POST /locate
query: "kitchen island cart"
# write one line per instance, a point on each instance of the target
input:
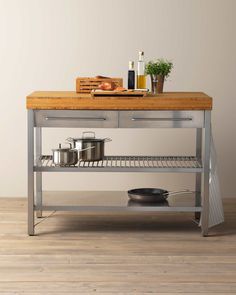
(60, 109)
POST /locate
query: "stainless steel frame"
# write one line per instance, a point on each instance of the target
(39, 173)
(198, 178)
(121, 119)
(206, 174)
(31, 172)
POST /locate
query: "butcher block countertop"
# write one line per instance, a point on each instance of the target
(70, 100)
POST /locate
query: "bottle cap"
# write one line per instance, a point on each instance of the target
(131, 65)
(140, 55)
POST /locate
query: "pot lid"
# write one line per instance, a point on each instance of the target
(87, 136)
(88, 139)
(60, 149)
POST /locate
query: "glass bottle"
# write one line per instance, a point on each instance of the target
(141, 77)
(131, 76)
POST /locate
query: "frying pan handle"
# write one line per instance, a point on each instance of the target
(186, 191)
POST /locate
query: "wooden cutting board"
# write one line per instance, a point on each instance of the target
(127, 93)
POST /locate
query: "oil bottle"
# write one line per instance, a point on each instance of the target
(141, 77)
(131, 76)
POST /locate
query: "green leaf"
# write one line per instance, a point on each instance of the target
(160, 67)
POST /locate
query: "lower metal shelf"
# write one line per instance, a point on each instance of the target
(112, 201)
(120, 209)
(183, 164)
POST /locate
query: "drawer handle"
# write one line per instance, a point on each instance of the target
(162, 119)
(75, 118)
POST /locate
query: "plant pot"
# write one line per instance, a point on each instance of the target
(160, 83)
(154, 84)
(157, 83)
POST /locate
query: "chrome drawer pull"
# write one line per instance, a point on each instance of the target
(162, 119)
(75, 118)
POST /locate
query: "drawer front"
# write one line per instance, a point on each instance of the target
(73, 119)
(161, 119)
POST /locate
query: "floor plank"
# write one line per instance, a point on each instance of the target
(115, 254)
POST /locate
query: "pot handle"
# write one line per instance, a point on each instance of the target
(107, 139)
(85, 149)
(88, 132)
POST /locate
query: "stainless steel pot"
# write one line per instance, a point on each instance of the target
(64, 156)
(95, 147)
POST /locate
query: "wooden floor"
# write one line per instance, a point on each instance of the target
(121, 254)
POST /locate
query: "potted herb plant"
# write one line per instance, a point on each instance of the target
(158, 70)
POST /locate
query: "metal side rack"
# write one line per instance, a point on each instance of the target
(198, 163)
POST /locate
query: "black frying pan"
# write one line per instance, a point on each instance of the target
(151, 195)
(148, 204)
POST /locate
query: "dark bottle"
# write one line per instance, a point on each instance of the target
(131, 76)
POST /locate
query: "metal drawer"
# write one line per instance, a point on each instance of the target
(70, 118)
(161, 119)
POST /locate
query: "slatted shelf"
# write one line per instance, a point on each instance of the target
(126, 164)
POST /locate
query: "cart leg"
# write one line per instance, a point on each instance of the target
(198, 178)
(30, 173)
(205, 199)
(39, 174)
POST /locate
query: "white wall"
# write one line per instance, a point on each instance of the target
(45, 44)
